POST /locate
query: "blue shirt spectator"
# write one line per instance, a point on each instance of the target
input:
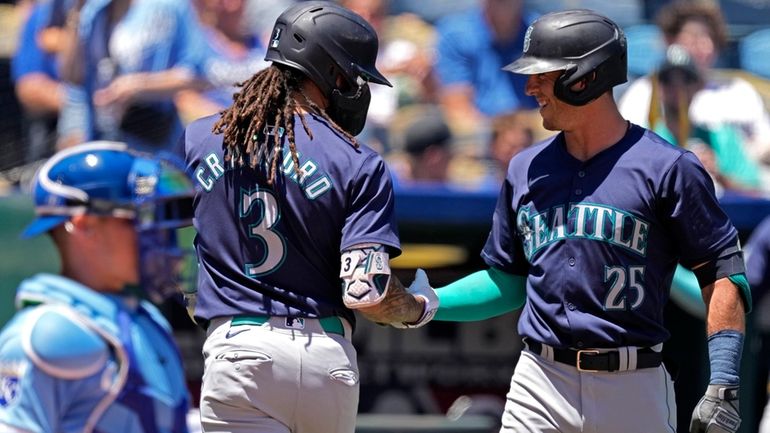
(472, 50)
(224, 68)
(35, 74)
(233, 52)
(29, 57)
(132, 68)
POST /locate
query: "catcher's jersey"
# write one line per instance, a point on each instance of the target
(599, 240)
(275, 249)
(74, 360)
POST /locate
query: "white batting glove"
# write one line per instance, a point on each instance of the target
(421, 288)
(717, 411)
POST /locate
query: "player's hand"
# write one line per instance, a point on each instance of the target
(717, 411)
(421, 289)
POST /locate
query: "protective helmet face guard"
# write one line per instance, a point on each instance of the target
(324, 40)
(583, 44)
(349, 109)
(108, 179)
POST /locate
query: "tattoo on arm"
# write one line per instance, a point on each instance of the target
(398, 306)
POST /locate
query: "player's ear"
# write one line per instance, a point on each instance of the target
(83, 224)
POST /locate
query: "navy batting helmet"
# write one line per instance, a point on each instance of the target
(583, 44)
(107, 178)
(321, 38)
(325, 40)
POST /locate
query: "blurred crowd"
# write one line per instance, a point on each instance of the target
(138, 70)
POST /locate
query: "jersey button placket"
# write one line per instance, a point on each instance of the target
(578, 184)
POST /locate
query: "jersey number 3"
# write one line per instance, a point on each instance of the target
(272, 241)
(624, 281)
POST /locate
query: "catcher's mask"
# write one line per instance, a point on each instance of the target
(326, 41)
(583, 44)
(107, 178)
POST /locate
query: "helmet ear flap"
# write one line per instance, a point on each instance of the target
(594, 85)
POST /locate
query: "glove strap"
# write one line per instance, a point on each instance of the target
(728, 394)
(428, 311)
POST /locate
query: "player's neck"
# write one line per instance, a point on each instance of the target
(590, 137)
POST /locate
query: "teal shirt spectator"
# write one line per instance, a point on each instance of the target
(731, 158)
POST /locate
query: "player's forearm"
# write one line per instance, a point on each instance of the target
(40, 94)
(162, 84)
(725, 309)
(398, 306)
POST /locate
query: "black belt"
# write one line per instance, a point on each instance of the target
(593, 360)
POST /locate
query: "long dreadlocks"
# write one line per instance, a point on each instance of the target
(269, 97)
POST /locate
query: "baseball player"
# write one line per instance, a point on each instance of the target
(295, 228)
(591, 224)
(86, 352)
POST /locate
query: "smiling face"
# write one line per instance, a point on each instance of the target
(557, 115)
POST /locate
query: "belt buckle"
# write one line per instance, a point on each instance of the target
(580, 354)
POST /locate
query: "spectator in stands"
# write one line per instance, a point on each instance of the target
(510, 133)
(427, 142)
(719, 147)
(36, 76)
(126, 60)
(472, 48)
(701, 29)
(234, 51)
(405, 57)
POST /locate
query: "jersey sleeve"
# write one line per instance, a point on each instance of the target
(503, 249)
(700, 227)
(371, 208)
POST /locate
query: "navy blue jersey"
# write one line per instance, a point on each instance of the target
(275, 249)
(758, 260)
(599, 240)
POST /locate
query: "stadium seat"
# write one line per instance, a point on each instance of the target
(646, 48)
(753, 51)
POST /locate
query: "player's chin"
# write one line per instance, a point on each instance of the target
(549, 124)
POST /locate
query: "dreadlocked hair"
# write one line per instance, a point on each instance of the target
(267, 98)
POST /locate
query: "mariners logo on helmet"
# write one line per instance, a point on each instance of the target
(276, 37)
(527, 38)
(584, 45)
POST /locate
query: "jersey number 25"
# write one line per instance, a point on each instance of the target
(623, 281)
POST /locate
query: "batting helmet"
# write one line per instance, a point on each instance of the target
(107, 178)
(321, 38)
(324, 40)
(581, 43)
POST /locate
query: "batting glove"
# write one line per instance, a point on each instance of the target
(421, 288)
(717, 411)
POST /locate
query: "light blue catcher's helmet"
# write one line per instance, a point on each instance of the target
(107, 178)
